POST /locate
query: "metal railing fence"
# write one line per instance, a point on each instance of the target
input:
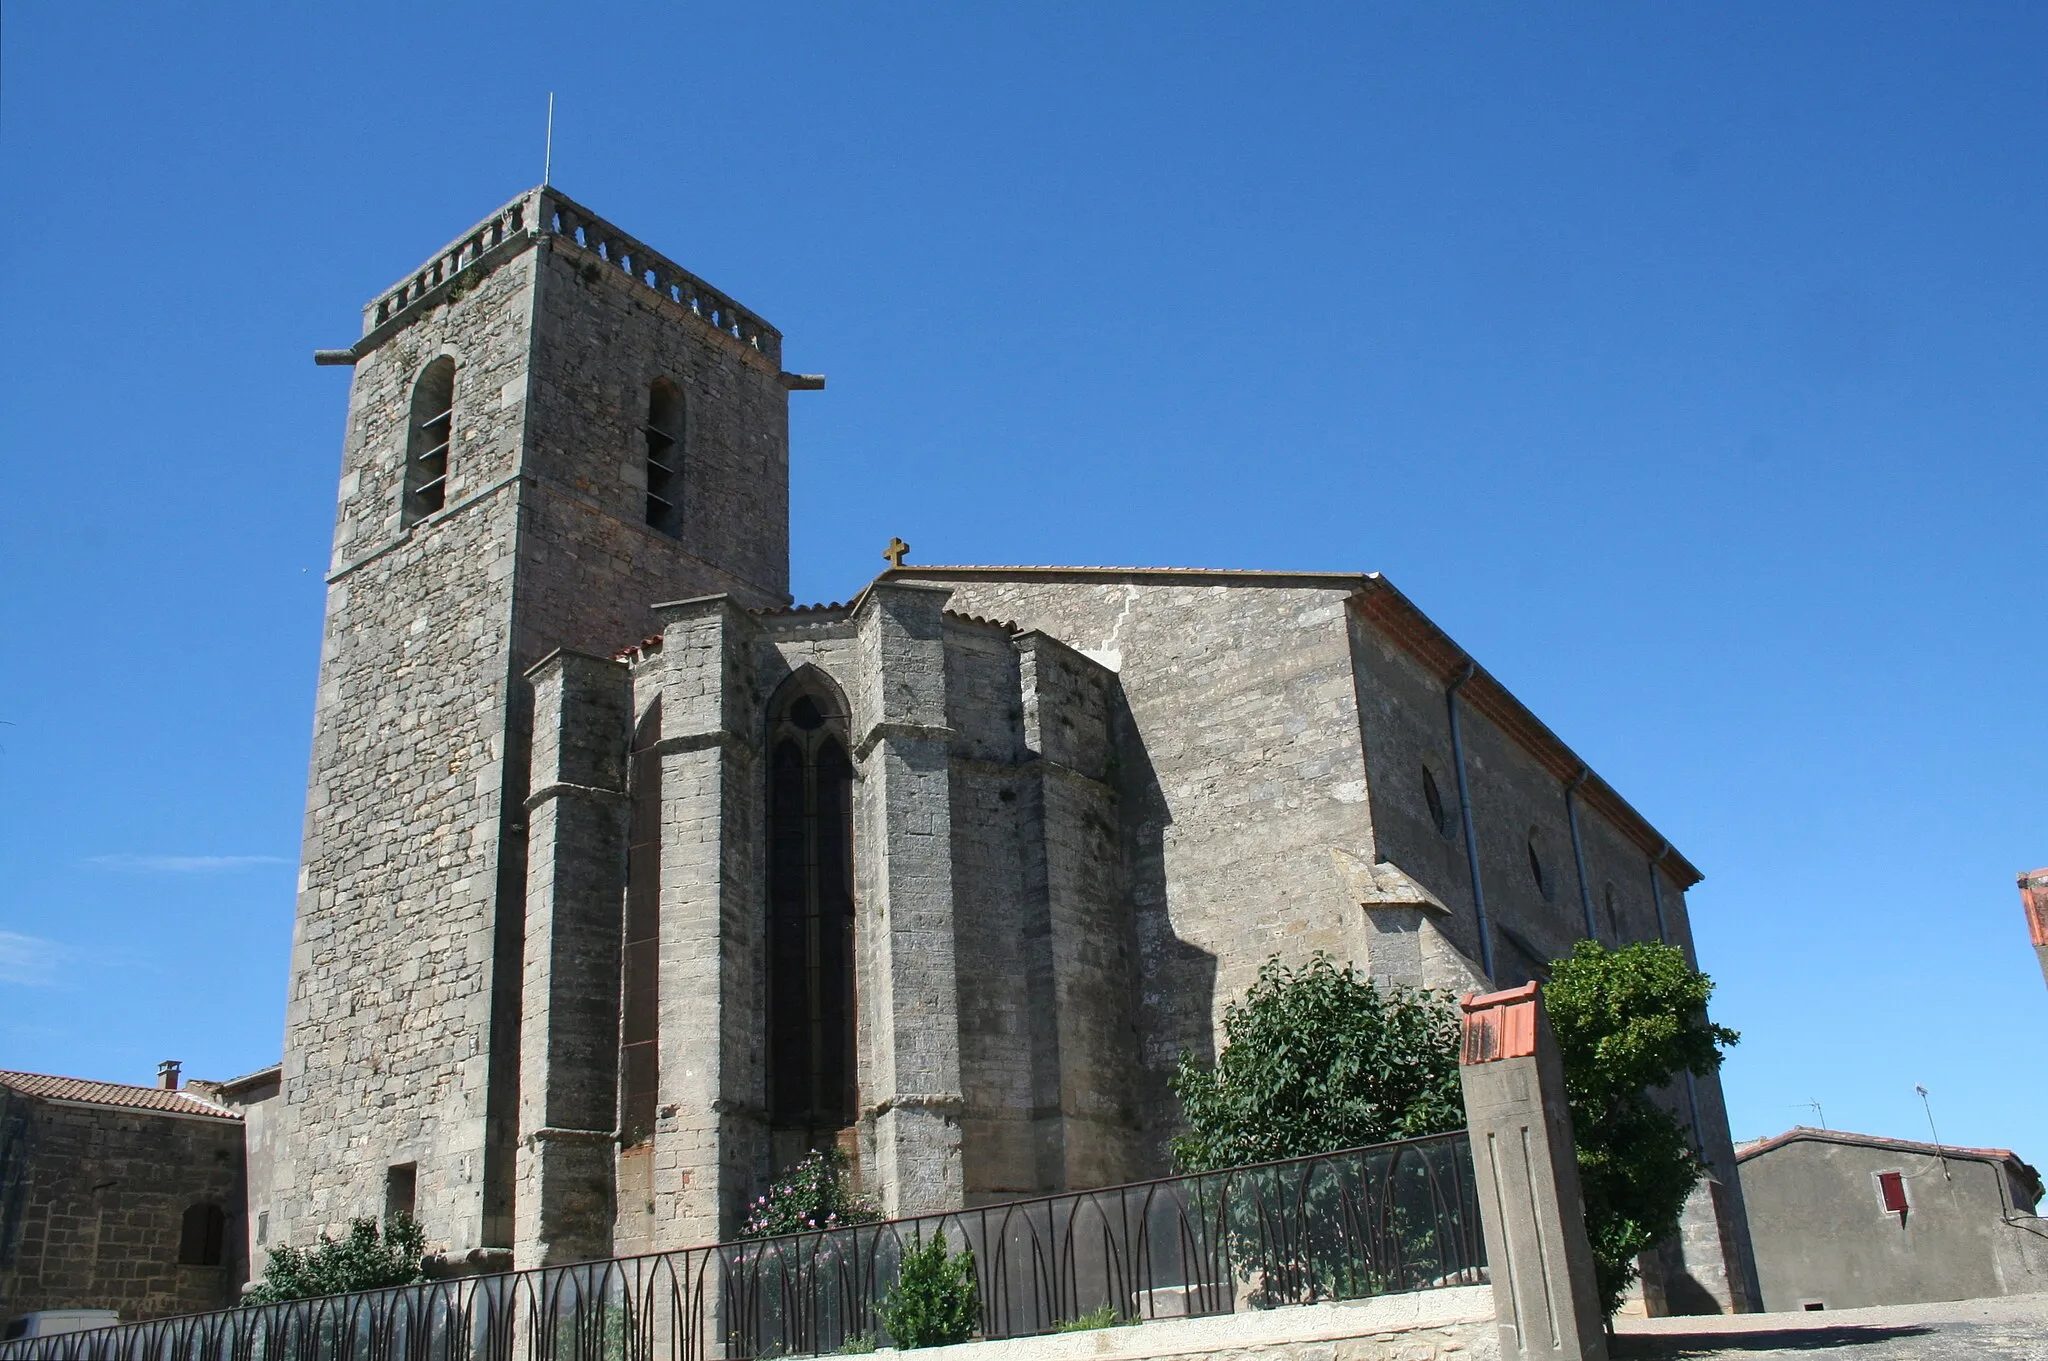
(1366, 1221)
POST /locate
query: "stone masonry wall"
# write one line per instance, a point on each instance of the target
(1084, 1010)
(1255, 712)
(393, 952)
(402, 1022)
(994, 926)
(905, 944)
(107, 1194)
(601, 340)
(1240, 768)
(1039, 930)
(1517, 802)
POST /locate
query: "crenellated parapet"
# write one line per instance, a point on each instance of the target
(546, 211)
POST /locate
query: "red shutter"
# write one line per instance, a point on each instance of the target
(1891, 1188)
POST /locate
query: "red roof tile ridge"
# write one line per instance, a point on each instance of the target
(1843, 1136)
(129, 1096)
(634, 652)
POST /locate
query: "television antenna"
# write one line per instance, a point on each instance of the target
(1938, 1152)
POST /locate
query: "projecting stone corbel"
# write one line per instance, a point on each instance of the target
(1403, 940)
(1383, 884)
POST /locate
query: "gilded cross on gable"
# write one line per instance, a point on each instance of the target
(893, 554)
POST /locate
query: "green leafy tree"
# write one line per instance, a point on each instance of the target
(363, 1260)
(815, 1192)
(1629, 1021)
(935, 1301)
(1318, 1058)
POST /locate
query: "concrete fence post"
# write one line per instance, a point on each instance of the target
(1528, 1180)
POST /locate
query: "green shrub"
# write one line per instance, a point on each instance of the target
(857, 1344)
(1104, 1317)
(1319, 1058)
(935, 1301)
(364, 1260)
(1628, 1021)
(815, 1192)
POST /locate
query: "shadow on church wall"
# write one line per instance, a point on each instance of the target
(1174, 981)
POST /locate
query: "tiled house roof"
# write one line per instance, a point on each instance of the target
(91, 1093)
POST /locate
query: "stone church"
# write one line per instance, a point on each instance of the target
(626, 879)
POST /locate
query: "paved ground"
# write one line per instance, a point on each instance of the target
(2014, 1328)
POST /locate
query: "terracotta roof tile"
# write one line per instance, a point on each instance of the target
(120, 1094)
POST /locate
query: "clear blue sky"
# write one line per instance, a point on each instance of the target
(1685, 362)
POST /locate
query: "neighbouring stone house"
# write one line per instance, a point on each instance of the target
(118, 1197)
(1842, 1220)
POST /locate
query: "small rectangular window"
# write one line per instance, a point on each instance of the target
(401, 1188)
(1891, 1192)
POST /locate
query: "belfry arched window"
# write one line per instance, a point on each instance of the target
(811, 1064)
(664, 432)
(429, 432)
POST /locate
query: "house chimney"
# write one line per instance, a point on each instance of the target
(167, 1075)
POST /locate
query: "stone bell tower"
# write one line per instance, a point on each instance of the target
(550, 429)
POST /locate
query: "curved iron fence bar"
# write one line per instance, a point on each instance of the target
(1391, 1217)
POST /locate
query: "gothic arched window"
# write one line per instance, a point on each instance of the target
(429, 431)
(664, 433)
(811, 1064)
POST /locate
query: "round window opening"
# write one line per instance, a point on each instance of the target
(805, 714)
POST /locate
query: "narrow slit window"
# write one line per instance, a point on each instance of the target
(1539, 871)
(664, 433)
(1433, 799)
(428, 440)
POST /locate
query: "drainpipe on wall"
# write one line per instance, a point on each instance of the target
(1692, 1091)
(1465, 815)
(1571, 815)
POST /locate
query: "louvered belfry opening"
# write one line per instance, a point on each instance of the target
(811, 1063)
(431, 431)
(664, 434)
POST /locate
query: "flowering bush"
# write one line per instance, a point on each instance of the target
(812, 1193)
